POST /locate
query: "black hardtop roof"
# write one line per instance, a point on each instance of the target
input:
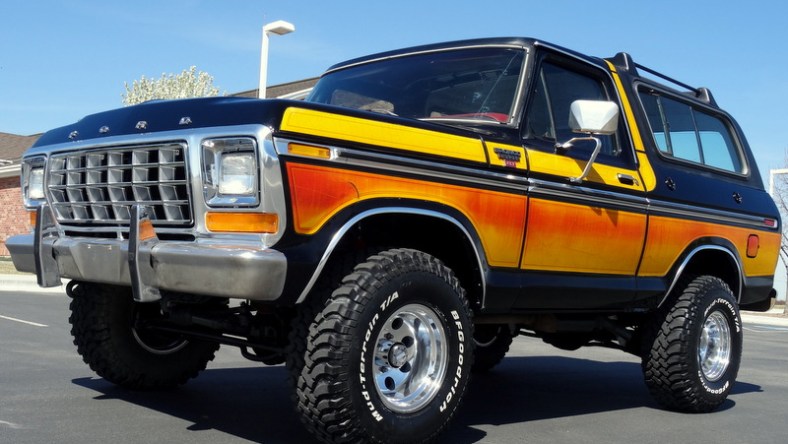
(494, 41)
(622, 61)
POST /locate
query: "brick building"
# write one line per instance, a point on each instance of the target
(14, 218)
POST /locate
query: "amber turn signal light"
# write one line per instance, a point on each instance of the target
(309, 150)
(753, 244)
(146, 230)
(242, 222)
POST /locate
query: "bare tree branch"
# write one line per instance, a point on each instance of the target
(780, 197)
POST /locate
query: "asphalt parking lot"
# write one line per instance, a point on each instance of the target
(537, 395)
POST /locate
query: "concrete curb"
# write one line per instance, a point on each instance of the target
(26, 283)
(771, 317)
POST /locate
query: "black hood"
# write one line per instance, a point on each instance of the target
(168, 115)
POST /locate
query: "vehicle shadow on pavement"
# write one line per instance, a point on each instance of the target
(254, 403)
(523, 389)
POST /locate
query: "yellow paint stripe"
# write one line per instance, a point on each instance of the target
(633, 128)
(565, 166)
(382, 134)
(646, 172)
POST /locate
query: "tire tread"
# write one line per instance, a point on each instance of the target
(666, 368)
(322, 395)
(96, 316)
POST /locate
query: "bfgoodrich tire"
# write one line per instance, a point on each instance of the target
(491, 341)
(102, 324)
(388, 359)
(693, 347)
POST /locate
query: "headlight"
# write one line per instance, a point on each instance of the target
(238, 174)
(35, 189)
(230, 172)
(33, 181)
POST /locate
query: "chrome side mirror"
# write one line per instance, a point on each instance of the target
(592, 118)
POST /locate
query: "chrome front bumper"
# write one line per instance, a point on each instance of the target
(147, 264)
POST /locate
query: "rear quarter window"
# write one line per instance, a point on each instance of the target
(690, 133)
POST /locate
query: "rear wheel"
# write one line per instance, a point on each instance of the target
(389, 357)
(103, 323)
(693, 347)
(491, 345)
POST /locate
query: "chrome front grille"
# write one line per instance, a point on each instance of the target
(99, 186)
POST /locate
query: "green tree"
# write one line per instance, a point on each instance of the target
(189, 83)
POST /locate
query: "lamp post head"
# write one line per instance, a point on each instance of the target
(279, 27)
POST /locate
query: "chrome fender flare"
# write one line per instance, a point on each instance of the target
(680, 270)
(340, 233)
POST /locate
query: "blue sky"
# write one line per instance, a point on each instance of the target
(61, 60)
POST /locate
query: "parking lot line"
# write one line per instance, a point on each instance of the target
(765, 328)
(34, 324)
(10, 425)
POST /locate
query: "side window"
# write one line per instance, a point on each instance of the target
(688, 133)
(547, 116)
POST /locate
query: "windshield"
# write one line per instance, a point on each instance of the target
(464, 84)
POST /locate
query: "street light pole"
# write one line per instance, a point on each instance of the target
(279, 27)
(772, 174)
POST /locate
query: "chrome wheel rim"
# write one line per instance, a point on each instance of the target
(158, 344)
(410, 358)
(152, 341)
(714, 348)
(485, 335)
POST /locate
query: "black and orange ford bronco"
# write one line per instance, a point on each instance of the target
(391, 234)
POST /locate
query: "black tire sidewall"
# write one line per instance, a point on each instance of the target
(102, 319)
(717, 300)
(135, 356)
(488, 336)
(431, 291)
(491, 343)
(671, 363)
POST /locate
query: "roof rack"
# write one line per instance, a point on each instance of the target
(624, 61)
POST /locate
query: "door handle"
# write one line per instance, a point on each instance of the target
(626, 179)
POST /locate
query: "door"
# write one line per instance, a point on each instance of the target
(587, 235)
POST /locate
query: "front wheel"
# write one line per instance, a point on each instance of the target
(103, 324)
(389, 358)
(693, 348)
